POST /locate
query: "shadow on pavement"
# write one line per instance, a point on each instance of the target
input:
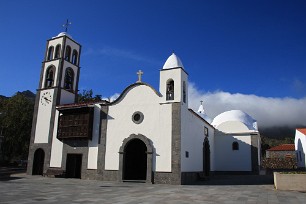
(11, 173)
(237, 180)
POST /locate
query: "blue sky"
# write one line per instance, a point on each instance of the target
(239, 54)
(246, 47)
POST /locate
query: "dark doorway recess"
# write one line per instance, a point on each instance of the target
(135, 160)
(38, 163)
(206, 157)
(73, 165)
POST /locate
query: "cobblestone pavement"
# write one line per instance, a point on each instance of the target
(23, 188)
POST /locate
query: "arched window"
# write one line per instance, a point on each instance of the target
(184, 92)
(75, 57)
(235, 146)
(170, 90)
(49, 77)
(68, 53)
(57, 51)
(69, 76)
(50, 53)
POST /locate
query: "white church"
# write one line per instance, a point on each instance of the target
(145, 135)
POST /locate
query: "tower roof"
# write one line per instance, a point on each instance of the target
(173, 62)
(62, 34)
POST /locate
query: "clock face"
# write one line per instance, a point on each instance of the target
(46, 98)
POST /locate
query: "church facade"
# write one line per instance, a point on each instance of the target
(144, 135)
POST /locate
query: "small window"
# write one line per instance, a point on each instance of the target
(186, 154)
(184, 92)
(69, 77)
(170, 90)
(74, 57)
(137, 117)
(49, 77)
(206, 131)
(235, 146)
(68, 53)
(50, 53)
(57, 52)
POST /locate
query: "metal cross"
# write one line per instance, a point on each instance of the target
(139, 73)
(66, 25)
(201, 102)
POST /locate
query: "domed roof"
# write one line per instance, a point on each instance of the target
(173, 62)
(62, 34)
(235, 115)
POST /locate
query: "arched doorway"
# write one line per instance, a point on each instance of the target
(135, 160)
(206, 157)
(38, 163)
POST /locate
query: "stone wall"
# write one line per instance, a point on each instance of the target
(295, 182)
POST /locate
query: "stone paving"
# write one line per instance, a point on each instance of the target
(23, 188)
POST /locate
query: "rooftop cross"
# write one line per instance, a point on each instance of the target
(66, 25)
(201, 102)
(139, 73)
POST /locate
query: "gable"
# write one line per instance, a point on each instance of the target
(137, 93)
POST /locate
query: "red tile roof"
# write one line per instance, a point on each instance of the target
(283, 147)
(302, 130)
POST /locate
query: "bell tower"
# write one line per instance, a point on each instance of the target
(174, 81)
(58, 82)
(58, 85)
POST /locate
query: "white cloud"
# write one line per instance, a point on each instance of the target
(112, 98)
(267, 111)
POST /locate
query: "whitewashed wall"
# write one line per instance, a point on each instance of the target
(227, 159)
(156, 126)
(300, 148)
(67, 97)
(178, 76)
(43, 120)
(93, 143)
(192, 130)
(57, 146)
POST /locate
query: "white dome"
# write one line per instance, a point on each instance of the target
(62, 34)
(173, 62)
(235, 115)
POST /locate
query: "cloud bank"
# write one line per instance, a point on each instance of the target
(268, 112)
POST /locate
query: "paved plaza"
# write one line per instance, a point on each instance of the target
(21, 188)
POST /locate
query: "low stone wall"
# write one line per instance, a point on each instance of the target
(294, 182)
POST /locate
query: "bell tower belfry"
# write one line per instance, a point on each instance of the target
(174, 81)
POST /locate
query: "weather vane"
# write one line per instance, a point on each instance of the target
(66, 25)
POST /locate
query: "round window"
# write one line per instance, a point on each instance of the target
(137, 117)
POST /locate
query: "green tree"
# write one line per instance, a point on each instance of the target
(16, 121)
(87, 96)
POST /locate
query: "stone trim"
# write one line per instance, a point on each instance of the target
(141, 117)
(254, 154)
(102, 173)
(33, 147)
(77, 147)
(174, 177)
(149, 152)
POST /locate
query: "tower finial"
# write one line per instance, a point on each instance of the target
(66, 25)
(201, 108)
